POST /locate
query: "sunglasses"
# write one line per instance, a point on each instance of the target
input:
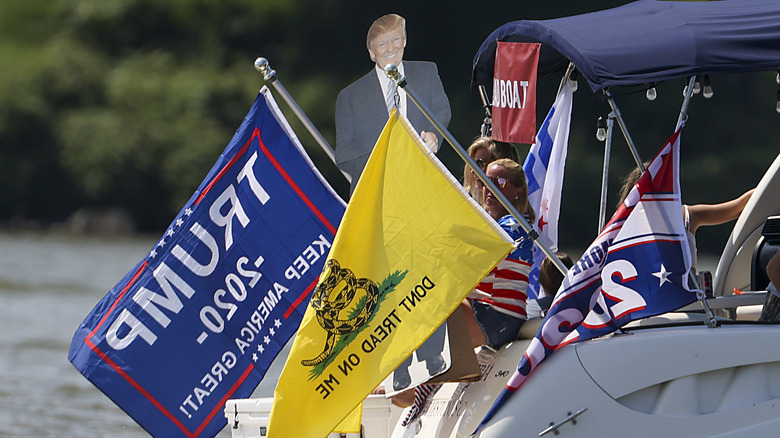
(499, 181)
(481, 163)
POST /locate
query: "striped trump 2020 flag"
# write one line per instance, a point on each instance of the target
(637, 267)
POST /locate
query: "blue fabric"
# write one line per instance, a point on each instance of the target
(498, 328)
(525, 246)
(648, 41)
(201, 318)
(637, 267)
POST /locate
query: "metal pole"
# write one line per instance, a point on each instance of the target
(703, 299)
(400, 80)
(269, 75)
(605, 171)
(623, 128)
(487, 123)
(680, 121)
(686, 101)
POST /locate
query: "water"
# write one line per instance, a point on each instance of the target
(48, 284)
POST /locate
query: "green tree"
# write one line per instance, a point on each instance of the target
(129, 102)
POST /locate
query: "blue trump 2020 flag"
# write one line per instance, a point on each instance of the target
(637, 267)
(200, 319)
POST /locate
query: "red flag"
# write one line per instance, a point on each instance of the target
(514, 92)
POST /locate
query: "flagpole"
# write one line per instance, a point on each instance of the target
(400, 80)
(269, 75)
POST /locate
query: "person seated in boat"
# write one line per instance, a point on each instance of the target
(485, 150)
(771, 310)
(495, 309)
(696, 215)
(550, 279)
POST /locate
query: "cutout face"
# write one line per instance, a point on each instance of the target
(388, 47)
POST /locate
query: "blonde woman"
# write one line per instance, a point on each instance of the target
(496, 308)
(484, 150)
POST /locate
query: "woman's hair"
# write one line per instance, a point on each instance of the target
(469, 179)
(500, 149)
(629, 182)
(517, 177)
(497, 149)
(550, 278)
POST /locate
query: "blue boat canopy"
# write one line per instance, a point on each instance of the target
(648, 41)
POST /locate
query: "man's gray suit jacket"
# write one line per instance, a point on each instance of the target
(361, 113)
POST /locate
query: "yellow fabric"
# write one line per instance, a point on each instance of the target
(412, 231)
(351, 424)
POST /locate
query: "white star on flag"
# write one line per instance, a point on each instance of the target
(514, 225)
(662, 275)
(271, 331)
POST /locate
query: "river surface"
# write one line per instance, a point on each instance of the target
(48, 285)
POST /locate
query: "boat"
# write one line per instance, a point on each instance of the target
(675, 374)
(682, 373)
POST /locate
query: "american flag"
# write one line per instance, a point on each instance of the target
(544, 168)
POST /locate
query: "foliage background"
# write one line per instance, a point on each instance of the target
(127, 103)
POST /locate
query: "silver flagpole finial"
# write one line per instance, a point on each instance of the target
(261, 65)
(392, 71)
(269, 75)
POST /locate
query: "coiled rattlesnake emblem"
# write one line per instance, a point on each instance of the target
(328, 307)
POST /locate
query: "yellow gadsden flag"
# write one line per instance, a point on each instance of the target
(411, 246)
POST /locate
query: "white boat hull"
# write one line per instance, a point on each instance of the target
(673, 381)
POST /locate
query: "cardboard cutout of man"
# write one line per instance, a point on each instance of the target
(362, 108)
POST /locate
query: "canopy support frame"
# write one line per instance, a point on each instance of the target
(623, 128)
(711, 322)
(605, 170)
